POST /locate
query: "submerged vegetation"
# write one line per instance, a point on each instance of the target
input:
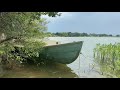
(108, 57)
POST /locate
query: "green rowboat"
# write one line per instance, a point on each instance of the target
(63, 53)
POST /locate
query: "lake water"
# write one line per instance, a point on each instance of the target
(82, 67)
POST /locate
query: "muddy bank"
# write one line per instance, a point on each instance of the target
(53, 70)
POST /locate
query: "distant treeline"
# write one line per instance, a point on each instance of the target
(76, 34)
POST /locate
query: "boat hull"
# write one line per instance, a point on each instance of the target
(63, 53)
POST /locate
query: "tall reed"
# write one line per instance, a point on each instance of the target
(108, 56)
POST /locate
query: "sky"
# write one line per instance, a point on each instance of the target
(87, 22)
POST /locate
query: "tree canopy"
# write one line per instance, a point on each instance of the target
(21, 28)
(23, 24)
(77, 34)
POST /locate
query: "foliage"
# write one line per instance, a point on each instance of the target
(77, 34)
(20, 28)
(108, 56)
(23, 24)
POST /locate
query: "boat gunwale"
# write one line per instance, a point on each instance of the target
(64, 44)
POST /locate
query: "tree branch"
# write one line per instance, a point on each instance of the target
(7, 39)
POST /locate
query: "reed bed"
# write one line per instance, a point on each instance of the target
(108, 57)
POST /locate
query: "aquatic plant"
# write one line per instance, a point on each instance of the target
(108, 57)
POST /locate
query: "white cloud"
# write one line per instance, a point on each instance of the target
(64, 15)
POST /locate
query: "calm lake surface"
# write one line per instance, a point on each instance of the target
(83, 67)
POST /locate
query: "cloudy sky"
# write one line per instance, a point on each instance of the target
(88, 22)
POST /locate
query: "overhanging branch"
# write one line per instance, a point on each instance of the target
(7, 39)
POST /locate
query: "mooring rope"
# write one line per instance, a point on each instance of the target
(79, 67)
(86, 57)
